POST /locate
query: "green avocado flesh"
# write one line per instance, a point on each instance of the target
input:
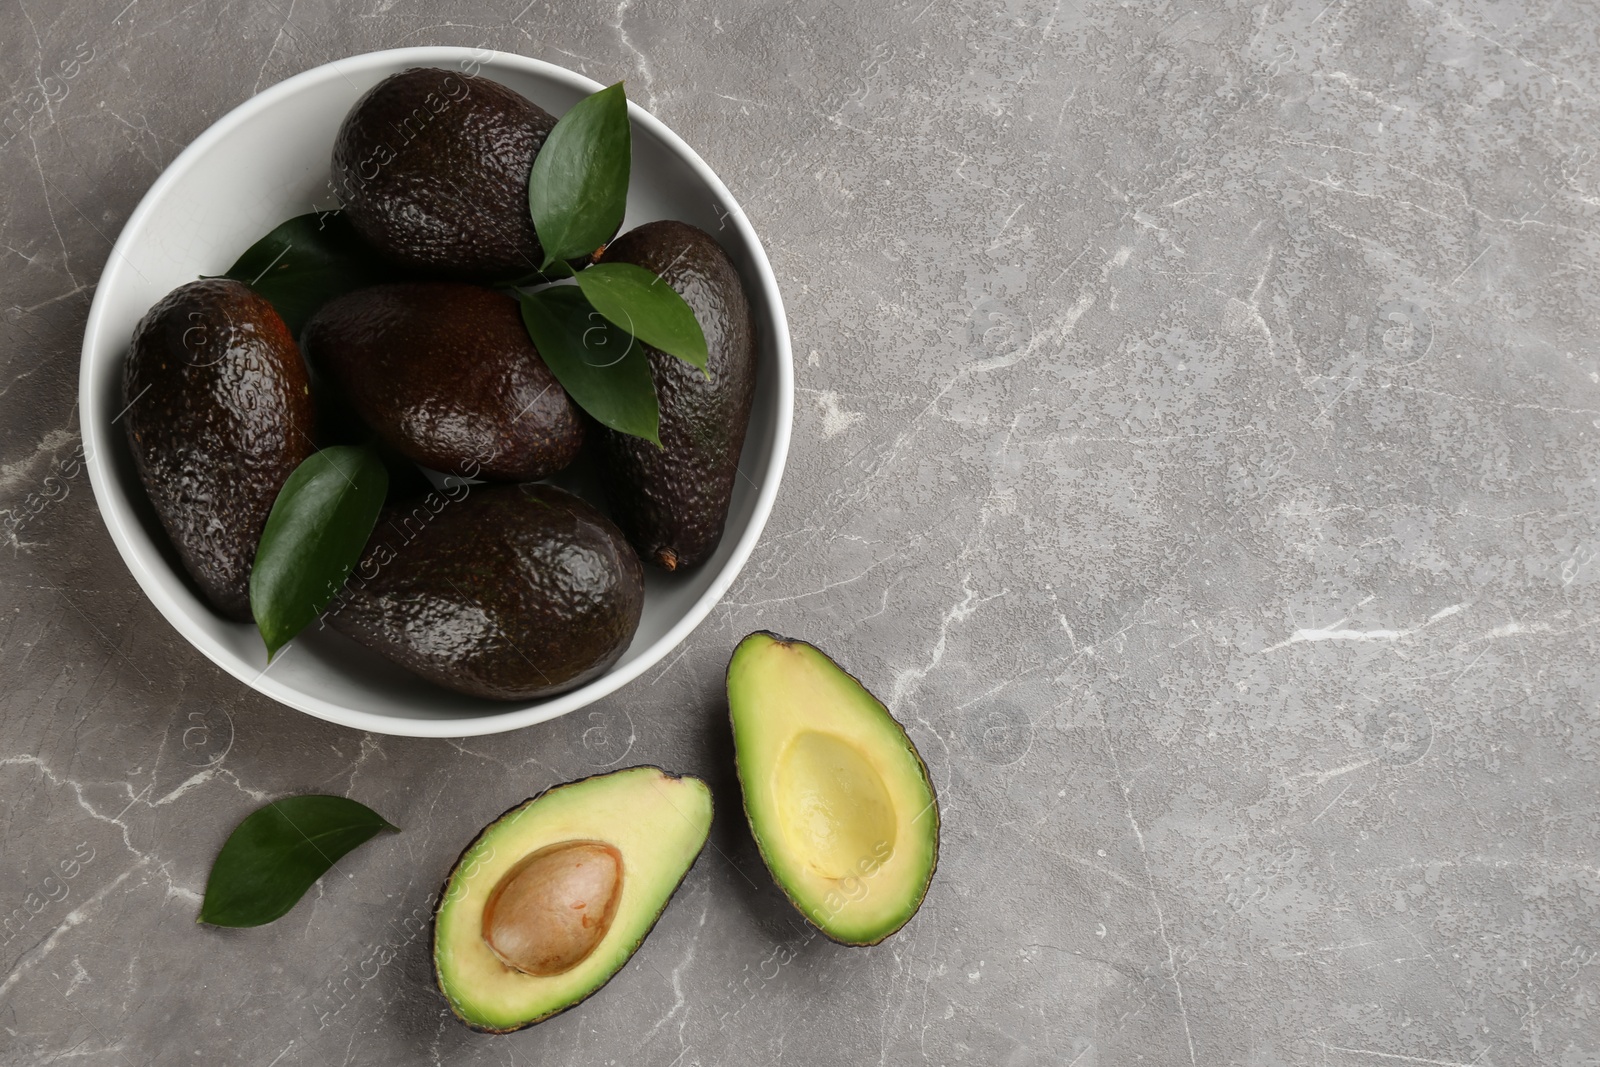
(838, 799)
(565, 887)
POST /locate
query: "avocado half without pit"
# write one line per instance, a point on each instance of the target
(554, 896)
(839, 800)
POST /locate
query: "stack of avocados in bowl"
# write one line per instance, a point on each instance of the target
(270, 160)
(423, 350)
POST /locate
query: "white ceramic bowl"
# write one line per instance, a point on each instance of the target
(266, 161)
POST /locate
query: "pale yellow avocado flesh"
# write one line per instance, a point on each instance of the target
(837, 796)
(657, 822)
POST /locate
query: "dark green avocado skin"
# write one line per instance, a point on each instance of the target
(672, 502)
(510, 592)
(219, 415)
(432, 168)
(445, 374)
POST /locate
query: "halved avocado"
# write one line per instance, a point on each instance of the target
(554, 896)
(838, 799)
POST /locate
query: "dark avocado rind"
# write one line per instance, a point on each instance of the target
(444, 889)
(219, 414)
(509, 592)
(760, 838)
(432, 167)
(672, 501)
(446, 375)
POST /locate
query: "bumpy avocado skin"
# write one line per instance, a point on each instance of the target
(219, 415)
(509, 592)
(672, 502)
(446, 375)
(432, 167)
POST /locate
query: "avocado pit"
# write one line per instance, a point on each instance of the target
(551, 910)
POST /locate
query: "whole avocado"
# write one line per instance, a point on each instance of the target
(510, 592)
(672, 501)
(219, 414)
(432, 168)
(446, 375)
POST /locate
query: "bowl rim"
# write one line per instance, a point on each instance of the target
(117, 512)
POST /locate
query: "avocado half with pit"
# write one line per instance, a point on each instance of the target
(838, 799)
(554, 896)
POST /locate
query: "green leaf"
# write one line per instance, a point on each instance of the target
(278, 851)
(553, 272)
(306, 262)
(578, 188)
(314, 535)
(603, 369)
(647, 307)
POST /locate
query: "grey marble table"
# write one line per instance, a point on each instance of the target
(1196, 446)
